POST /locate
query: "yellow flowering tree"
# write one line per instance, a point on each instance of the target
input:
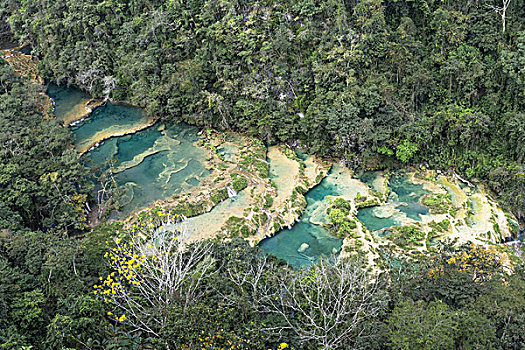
(481, 262)
(153, 268)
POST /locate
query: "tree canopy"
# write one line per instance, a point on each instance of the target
(431, 81)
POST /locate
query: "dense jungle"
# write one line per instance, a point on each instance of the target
(308, 174)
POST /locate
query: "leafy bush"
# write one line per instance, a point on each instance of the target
(268, 201)
(407, 235)
(372, 202)
(239, 182)
(219, 195)
(438, 203)
(300, 189)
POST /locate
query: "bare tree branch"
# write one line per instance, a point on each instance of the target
(326, 304)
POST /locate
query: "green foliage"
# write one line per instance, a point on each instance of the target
(405, 151)
(453, 307)
(336, 216)
(44, 284)
(236, 226)
(300, 189)
(239, 182)
(419, 326)
(253, 159)
(27, 311)
(385, 150)
(268, 201)
(43, 184)
(346, 228)
(372, 202)
(438, 203)
(340, 225)
(193, 209)
(437, 81)
(341, 203)
(218, 196)
(438, 228)
(406, 236)
(245, 231)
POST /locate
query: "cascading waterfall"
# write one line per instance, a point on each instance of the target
(231, 192)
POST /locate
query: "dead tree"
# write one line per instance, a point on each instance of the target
(501, 11)
(325, 305)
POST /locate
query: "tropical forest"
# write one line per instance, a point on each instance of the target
(262, 174)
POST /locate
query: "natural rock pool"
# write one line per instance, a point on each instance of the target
(305, 242)
(202, 225)
(108, 121)
(403, 203)
(69, 102)
(150, 164)
(155, 162)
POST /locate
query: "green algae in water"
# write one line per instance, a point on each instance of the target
(175, 166)
(106, 121)
(285, 243)
(67, 101)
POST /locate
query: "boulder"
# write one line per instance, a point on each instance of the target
(303, 247)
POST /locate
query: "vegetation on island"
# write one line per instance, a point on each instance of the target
(338, 216)
(130, 287)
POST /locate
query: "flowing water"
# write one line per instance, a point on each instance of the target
(228, 151)
(375, 219)
(207, 224)
(106, 121)
(151, 164)
(69, 102)
(154, 163)
(159, 161)
(403, 204)
(307, 240)
(373, 179)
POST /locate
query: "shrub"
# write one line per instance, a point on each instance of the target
(245, 231)
(300, 189)
(407, 235)
(438, 203)
(219, 195)
(239, 182)
(372, 202)
(268, 201)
